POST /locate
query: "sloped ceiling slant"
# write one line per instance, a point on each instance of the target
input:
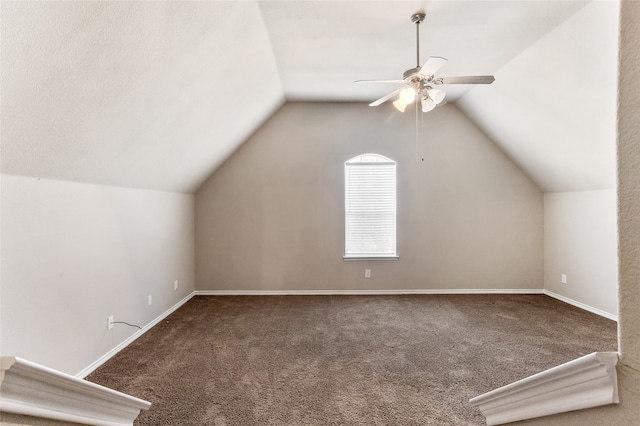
(553, 107)
(158, 94)
(137, 94)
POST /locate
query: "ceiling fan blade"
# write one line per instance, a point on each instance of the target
(385, 98)
(433, 64)
(475, 79)
(380, 81)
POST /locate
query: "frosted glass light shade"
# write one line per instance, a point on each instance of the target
(437, 95)
(408, 95)
(400, 104)
(428, 104)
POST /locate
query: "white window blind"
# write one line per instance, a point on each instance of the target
(370, 206)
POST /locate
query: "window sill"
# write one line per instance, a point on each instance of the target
(370, 257)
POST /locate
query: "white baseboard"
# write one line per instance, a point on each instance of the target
(88, 370)
(405, 291)
(362, 292)
(581, 305)
(104, 358)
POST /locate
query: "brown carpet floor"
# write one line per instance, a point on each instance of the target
(346, 360)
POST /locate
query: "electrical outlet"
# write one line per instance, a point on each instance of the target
(367, 273)
(563, 278)
(110, 322)
(150, 300)
(175, 285)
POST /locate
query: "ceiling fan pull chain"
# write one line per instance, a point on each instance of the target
(422, 131)
(417, 44)
(417, 134)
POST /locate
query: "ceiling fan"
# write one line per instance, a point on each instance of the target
(420, 81)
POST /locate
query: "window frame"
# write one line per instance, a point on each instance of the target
(362, 159)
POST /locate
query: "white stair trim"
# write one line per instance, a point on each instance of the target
(29, 389)
(362, 292)
(586, 382)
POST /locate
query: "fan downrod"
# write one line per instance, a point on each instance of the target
(417, 18)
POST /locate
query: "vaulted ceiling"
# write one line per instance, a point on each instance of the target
(158, 94)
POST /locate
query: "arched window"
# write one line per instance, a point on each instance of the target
(370, 207)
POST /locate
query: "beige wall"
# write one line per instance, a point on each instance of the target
(271, 218)
(629, 187)
(628, 411)
(580, 241)
(74, 253)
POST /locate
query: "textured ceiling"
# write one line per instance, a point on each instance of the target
(140, 94)
(158, 94)
(321, 48)
(554, 109)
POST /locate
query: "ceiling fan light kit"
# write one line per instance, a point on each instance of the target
(437, 95)
(428, 104)
(408, 95)
(420, 80)
(400, 104)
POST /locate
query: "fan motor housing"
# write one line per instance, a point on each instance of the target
(410, 72)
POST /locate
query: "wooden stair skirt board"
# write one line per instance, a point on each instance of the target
(589, 381)
(29, 389)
